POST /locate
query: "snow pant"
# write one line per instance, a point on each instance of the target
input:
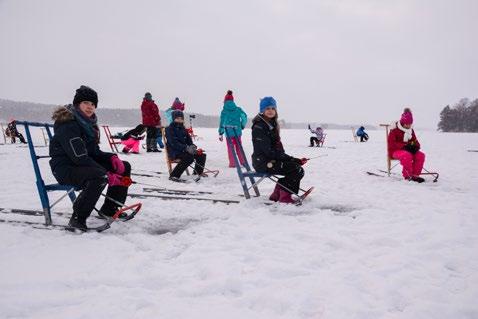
(292, 173)
(364, 138)
(236, 145)
(131, 144)
(314, 139)
(187, 159)
(412, 163)
(159, 138)
(91, 181)
(151, 136)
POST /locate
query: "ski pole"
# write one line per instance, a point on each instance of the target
(324, 155)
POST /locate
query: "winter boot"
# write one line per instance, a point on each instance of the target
(417, 179)
(77, 223)
(109, 208)
(285, 197)
(275, 194)
(125, 150)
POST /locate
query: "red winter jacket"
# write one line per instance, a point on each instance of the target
(150, 113)
(395, 140)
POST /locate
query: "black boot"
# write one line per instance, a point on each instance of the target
(417, 179)
(77, 223)
(109, 208)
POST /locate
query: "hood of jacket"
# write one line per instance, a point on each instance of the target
(62, 114)
(230, 106)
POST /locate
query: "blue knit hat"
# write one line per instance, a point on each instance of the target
(266, 102)
(176, 114)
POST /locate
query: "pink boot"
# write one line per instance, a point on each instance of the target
(275, 194)
(285, 197)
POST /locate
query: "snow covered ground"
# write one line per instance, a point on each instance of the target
(360, 247)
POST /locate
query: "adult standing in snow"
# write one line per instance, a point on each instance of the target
(180, 146)
(77, 160)
(403, 145)
(232, 116)
(362, 134)
(151, 120)
(269, 155)
(13, 133)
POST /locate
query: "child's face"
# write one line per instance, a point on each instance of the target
(179, 120)
(270, 112)
(88, 108)
(407, 126)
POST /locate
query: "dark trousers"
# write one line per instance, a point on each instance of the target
(363, 138)
(314, 139)
(292, 172)
(186, 160)
(151, 136)
(91, 181)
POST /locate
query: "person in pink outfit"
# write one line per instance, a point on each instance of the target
(132, 138)
(403, 145)
(232, 121)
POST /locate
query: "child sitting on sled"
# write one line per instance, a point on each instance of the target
(269, 155)
(77, 160)
(132, 138)
(403, 145)
(318, 139)
(180, 147)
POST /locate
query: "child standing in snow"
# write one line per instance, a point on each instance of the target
(361, 133)
(77, 160)
(232, 116)
(180, 146)
(403, 145)
(177, 105)
(318, 138)
(132, 138)
(269, 155)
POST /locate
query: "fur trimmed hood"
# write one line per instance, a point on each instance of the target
(62, 114)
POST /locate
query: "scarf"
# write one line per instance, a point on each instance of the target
(88, 124)
(408, 132)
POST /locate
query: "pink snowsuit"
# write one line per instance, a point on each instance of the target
(235, 143)
(131, 144)
(412, 163)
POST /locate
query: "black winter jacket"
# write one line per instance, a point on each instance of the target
(267, 146)
(178, 139)
(69, 146)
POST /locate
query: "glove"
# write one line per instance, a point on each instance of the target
(221, 138)
(114, 179)
(117, 164)
(303, 160)
(191, 149)
(411, 148)
(199, 151)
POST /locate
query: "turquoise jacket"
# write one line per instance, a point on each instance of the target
(232, 115)
(169, 116)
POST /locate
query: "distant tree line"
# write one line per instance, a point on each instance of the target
(461, 117)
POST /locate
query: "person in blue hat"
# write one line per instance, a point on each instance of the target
(269, 155)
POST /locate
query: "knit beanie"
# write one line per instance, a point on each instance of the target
(85, 93)
(407, 117)
(266, 102)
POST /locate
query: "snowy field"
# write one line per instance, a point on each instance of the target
(360, 247)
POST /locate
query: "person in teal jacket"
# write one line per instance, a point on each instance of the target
(232, 116)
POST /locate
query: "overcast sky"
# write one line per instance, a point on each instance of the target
(323, 60)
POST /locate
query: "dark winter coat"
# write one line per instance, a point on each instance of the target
(73, 146)
(135, 133)
(150, 113)
(267, 145)
(177, 139)
(395, 140)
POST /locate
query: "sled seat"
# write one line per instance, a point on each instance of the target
(112, 141)
(44, 189)
(391, 160)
